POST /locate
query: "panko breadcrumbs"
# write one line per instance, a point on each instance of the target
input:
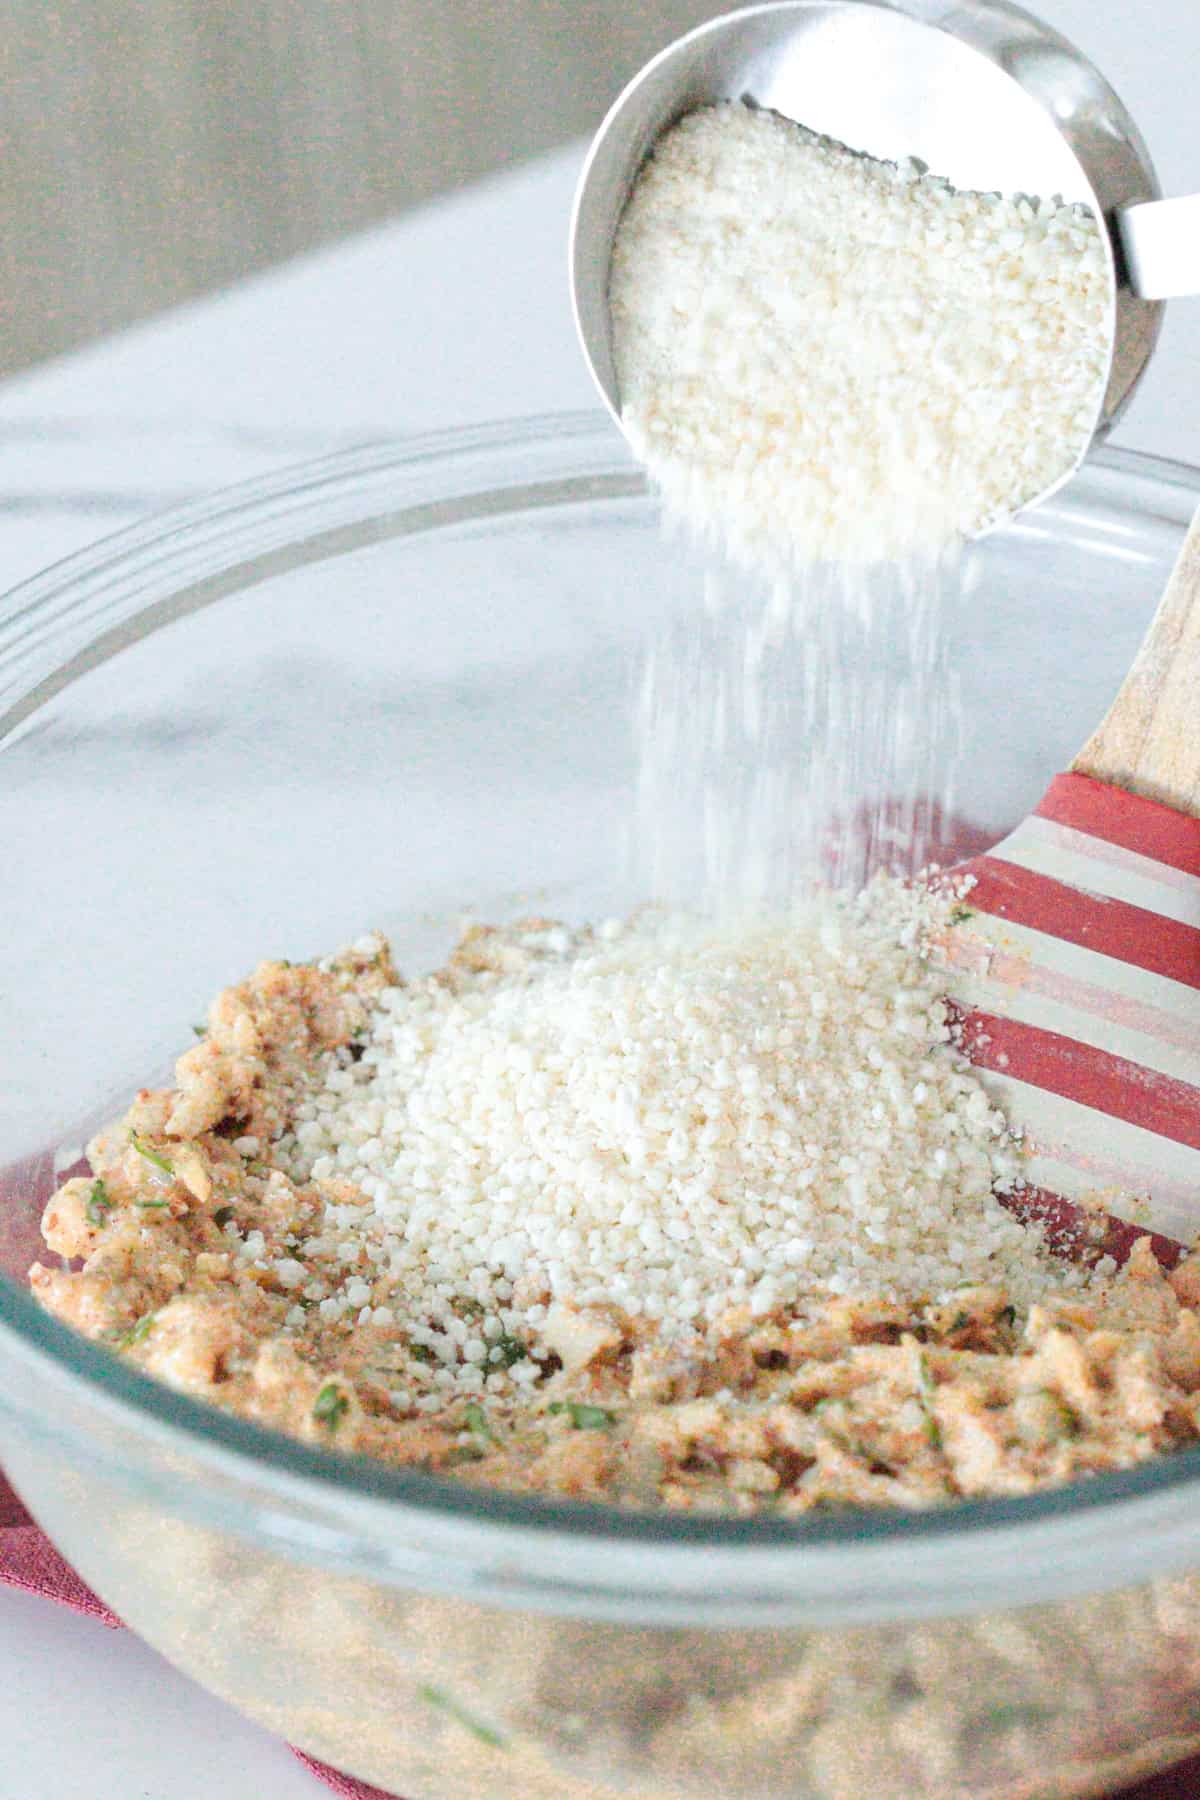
(824, 356)
(654, 1214)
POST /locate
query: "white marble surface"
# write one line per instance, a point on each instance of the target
(457, 313)
(90, 1714)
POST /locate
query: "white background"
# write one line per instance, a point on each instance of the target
(457, 313)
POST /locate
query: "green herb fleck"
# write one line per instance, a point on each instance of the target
(584, 1417)
(1007, 1315)
(1012, 1716)
(960, 1321)
(421, 1353)
(330, 1406)
(137, 1332)
(960, 914)
(507, 1350)
(150, 1205)
(151, 1156)
(200, 1030)
(454, 1709)
(476, 1422)
(931, 1428)
(456, 1458)
(98, 1204)
(222, 1216)
(1066, 1419)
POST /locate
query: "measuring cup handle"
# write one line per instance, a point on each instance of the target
(1160, 242)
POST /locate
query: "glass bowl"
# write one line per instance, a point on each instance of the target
(377, 691)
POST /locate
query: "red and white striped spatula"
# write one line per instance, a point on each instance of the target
(1077, 968)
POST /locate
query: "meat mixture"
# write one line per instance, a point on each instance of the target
(666, 1220)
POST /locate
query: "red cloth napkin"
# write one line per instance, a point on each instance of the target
(29, 1560)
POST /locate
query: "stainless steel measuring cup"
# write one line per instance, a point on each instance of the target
(981, 92)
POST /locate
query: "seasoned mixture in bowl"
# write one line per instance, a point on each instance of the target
(658, 1213)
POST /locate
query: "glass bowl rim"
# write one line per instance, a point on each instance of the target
(149, 1406)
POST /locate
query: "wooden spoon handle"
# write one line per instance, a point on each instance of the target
(1149, 740)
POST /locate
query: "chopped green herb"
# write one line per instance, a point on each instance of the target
(476, 1422)
(222, 1216)
(454, 1709)
(582, 1416)
(1007, 1315)
(98, 1204)
(960, 1321)
(1014, 1715)
(931, 1428)
(150, 1205)
(330, 1406)
(151, 1156)
(467, 1307)
(200, 1030)
(960, 914)
(421, 1353)
(506, 1350)
(1066, 1419)
(137, 1333)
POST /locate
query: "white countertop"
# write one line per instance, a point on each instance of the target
(456, 313)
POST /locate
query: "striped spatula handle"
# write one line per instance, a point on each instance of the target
(1077, 971)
